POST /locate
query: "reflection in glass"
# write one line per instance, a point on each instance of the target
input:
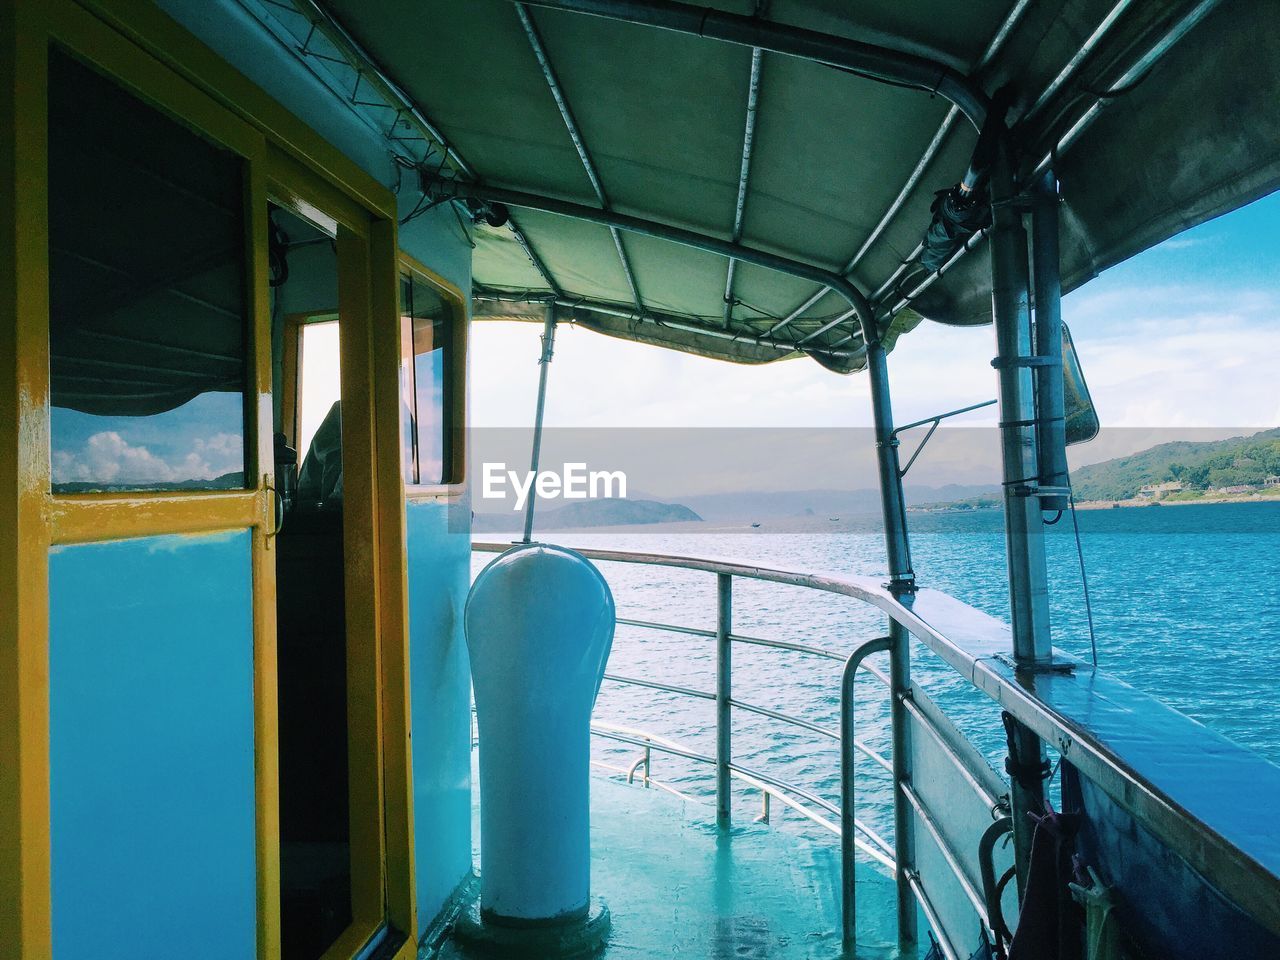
(147, 294)
(426, 359)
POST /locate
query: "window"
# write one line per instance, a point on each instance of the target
(147, 295)
(430, 384)
(319, 377)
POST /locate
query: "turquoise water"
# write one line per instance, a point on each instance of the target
(1186, 605)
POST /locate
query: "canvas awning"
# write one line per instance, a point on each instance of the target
(814, 163)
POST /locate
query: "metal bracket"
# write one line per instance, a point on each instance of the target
(1061, 667)
(1001, 363)
(901, 584)
(933, 425)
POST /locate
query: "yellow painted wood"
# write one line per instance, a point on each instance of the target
(351, 940)
(24, 477)
(291, 383)
(97, 44)
(266, 687)
(94, 517)
(360, 550)
(267, 746)
(143, 49)
(393, 588)
(293, 185)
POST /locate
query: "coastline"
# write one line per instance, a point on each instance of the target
(1196, 501)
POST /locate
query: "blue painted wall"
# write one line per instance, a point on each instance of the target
(151, 749)
(440, 691)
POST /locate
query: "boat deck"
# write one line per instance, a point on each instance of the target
(679, 887)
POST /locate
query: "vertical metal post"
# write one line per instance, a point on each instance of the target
(1024, 533)
(902, 583)
(544, 362)
(848, 810)
(724, 692)
(1052, 441)
(904, 842)
(892, 502)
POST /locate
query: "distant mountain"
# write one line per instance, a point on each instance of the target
(228, 481)
(751, 505)
(1239, 461)
(605, 512)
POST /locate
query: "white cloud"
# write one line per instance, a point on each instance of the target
(107, 457)
(1163, 354)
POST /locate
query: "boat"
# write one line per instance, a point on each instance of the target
(244, 242)
(755, 525)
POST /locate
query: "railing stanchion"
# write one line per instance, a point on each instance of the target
(724, 694)
(904, 843)
(848, 894)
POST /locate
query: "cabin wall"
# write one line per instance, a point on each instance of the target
(440, 687)
(435, 238)
(151, 747)
(438, 534)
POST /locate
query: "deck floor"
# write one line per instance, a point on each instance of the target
(679, 887)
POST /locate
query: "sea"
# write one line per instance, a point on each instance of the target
(1185, 603)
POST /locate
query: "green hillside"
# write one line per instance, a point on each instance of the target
(1240, 461)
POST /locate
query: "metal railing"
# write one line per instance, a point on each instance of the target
(840, 820)
(1073, 708)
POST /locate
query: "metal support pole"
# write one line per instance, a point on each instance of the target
(902, 584)
(724, 694)
(544, 362)
(1024, 533)
(1052, 445)
(848, 753)
(892, 501)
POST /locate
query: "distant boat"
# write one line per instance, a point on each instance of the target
(833, 519)
(755, 525)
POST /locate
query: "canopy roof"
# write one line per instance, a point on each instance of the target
(810, 162)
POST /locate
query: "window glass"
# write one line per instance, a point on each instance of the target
(319, 378)
(425, 375)
(147, 294)
(408, 421)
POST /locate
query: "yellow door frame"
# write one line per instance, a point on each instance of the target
(144, 50)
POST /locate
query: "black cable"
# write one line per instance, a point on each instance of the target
(417, 207)
(1056, 517)
(1084, 577)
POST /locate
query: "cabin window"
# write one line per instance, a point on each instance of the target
(147, 294)
(319, 375)
(430, 389)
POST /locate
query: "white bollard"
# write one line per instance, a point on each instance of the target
(539, 625)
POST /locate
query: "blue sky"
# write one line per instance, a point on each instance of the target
(1185, 335)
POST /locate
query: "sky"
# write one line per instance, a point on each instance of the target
(1181, 341)
(1185, 335)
